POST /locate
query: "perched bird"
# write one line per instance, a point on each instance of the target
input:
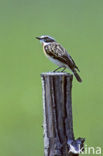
(58, 55)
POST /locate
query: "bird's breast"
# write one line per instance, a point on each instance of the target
(44, 50)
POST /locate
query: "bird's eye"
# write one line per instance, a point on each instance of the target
(46, 39)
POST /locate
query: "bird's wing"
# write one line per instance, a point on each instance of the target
(56, 51)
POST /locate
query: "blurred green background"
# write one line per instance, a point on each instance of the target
(78, 26)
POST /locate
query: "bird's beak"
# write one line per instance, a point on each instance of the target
(38, 38)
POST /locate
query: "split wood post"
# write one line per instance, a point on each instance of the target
(57, 107)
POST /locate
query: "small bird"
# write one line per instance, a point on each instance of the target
(58, 55)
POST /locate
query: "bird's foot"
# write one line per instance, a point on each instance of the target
(56, 69)
(63, 69)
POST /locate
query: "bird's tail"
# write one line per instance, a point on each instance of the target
(77, 76)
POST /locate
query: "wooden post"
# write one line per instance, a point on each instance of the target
(57, 106)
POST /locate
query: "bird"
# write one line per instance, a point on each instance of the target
(58, 55)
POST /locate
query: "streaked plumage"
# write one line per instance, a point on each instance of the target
(57, 54)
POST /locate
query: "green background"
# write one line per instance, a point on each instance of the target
(78, 26)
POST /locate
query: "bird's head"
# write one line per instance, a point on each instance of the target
(46, 39)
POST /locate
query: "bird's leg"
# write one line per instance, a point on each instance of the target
(63, 69)
(56, 69)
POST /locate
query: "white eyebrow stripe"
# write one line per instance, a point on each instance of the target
(43, 36)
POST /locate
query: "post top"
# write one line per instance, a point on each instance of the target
(56, 74)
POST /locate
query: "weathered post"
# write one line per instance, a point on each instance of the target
(58, 123)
